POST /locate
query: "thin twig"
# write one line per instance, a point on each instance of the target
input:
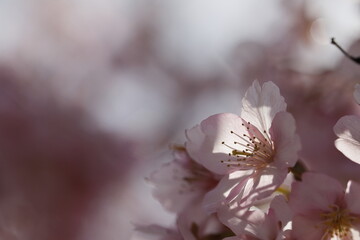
(355, 59)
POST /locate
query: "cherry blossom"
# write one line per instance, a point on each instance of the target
(254, 224)
(323, 209)
(252, 151)
(180, 186)
(348, 131)
(181, 181)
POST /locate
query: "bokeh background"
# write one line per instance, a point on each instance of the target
(94, 93)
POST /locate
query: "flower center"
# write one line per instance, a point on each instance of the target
(251, 150)
(337, 222)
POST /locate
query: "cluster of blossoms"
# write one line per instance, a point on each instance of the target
(241, 177)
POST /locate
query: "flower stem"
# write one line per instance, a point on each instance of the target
(355, 59)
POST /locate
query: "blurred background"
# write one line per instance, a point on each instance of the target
(93, 93)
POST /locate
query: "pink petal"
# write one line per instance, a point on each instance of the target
(306, 228)
(355, 232)
(270, 228)
(260, 104)
(281, 209)
(240, 220)
(275, 220)
(357, 93)
(195, 139)
(352, 197)
(287, 142)
(261, 185)
(218, 195)
(314, 194)
(170, 188)
(185, 220)
(244, 186)
(348, 131)
(205, 142)
(195, 214)
(261, 230)
(254, 222)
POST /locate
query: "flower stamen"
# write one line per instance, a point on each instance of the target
(253, 149)
(336, 222)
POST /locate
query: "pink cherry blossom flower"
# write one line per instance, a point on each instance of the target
(324, 210)
(257, 225)
(348, 131)
(180, 182)
(252, 151)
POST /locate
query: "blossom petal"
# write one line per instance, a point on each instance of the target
(352, 197)
(315, 191)
(195, 215)
(273, 223)
(244, 187)
(287, 141)
(218, 195)
(305, 228)
(261, 104)
(241, 221)
(204, 142)
(355, 233)
(255, 223)
(170, 188)
(281, 209)
(348, 131)
(195, 139)
(261, 185)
